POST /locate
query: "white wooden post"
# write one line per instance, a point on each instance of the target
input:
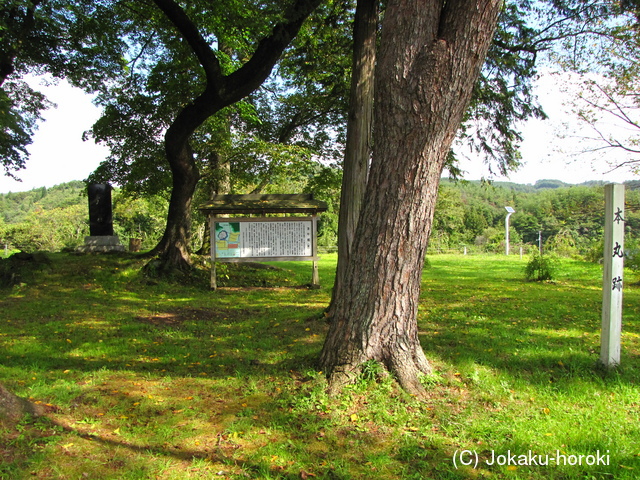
(613, 274)
(540, 242)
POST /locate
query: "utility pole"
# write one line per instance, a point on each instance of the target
(540, 241)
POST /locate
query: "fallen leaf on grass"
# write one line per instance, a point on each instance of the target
(304, 475)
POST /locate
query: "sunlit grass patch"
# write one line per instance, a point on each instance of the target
(145, 379)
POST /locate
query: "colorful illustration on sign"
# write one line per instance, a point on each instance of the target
(227, 238)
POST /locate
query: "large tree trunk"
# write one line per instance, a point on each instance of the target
(355, 167)
(173, 248)
(429, 59)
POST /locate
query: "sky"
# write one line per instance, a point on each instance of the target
(59, 155)
(551, 148)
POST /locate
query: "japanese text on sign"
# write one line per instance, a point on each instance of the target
(264, 239)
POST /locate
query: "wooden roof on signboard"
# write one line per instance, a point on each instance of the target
(260, 204)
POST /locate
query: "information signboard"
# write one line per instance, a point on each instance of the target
(268, 238)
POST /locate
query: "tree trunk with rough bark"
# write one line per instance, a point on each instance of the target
(14, 408)
(355, 167)
(173, 249)
(430, 55)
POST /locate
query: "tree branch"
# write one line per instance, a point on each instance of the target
(253, 73)
(202, 50)
(222, 90)
(555, 31)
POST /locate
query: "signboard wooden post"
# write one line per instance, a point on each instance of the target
(612, 284)
(267, 238)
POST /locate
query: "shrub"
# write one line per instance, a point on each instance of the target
(563, 243)
(594, 253)
(632, 254)
(541, 267)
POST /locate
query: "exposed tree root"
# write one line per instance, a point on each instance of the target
(14, 408)
(406, 369)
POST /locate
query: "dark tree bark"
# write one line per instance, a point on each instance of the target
(220, 91)
(174, 245)
(6, 66)
(430, 56)
(13, 408)
(355, 167)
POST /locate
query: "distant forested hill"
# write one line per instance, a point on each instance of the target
(568, 218)
(471, 214)
(58, 217)
(16, 207)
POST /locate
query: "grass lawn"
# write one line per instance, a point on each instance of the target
(151, 380)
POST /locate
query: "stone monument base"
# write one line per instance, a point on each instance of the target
(101, 244)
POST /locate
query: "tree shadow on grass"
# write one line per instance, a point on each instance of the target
(537, 355)
(529, 330)
(134, 348)
(350, 451)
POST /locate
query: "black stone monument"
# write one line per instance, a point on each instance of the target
(100, 213)
(101, 237)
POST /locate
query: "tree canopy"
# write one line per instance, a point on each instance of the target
(80, 41)
(90, 42)
(276, 129)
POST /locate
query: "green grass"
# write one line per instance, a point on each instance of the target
(143, 379)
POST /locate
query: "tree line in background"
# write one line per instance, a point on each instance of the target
(57, 218)
(469, 216)
(563, 219)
